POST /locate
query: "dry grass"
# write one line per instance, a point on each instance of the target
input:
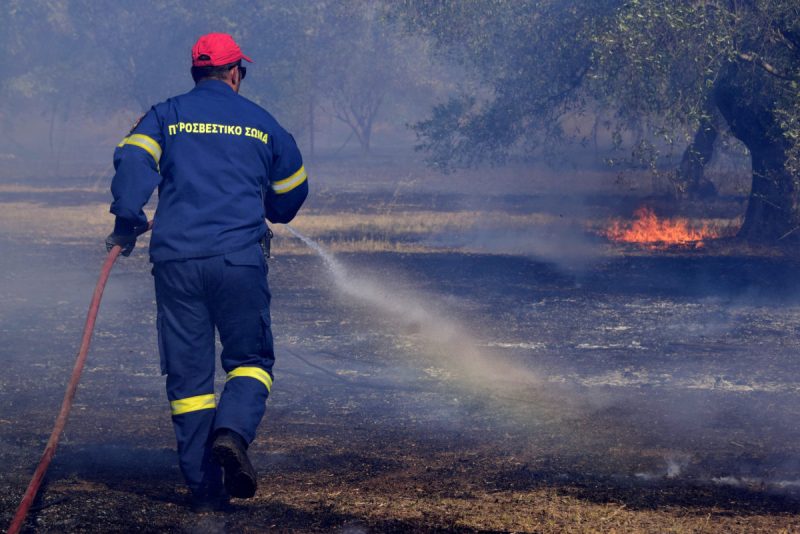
(406, 231)
(542, 511)
(346, 232)
(44, 224)
(413, 222)
(402, 231)
(20, 188)
(447, 492)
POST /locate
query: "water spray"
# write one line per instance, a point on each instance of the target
(448, 339)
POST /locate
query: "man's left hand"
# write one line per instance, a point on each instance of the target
(126, 241)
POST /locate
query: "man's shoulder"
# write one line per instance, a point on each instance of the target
(187, 95)
(166, 108)
(162, 107)
(259, 112)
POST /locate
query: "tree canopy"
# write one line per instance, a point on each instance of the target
(337, 60)
(666, 66)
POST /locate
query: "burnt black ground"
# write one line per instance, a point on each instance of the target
(667, 381)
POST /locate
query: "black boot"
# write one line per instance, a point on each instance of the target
(230, 451)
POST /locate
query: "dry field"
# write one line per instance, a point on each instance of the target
(478, 364)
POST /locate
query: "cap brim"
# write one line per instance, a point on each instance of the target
(247, 58)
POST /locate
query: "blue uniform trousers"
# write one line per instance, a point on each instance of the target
(194, 296)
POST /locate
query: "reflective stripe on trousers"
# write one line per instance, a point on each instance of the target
(228, 293)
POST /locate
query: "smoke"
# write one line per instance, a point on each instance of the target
(564, 244)
(676, 464)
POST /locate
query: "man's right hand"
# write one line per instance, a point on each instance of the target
(126, 241)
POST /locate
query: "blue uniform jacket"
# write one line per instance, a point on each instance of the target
(221, 164)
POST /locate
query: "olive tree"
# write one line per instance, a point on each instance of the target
(682, 70)
(686, 63)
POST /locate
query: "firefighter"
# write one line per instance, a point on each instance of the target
(222, 164)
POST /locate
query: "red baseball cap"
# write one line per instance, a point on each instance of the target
(215, 50)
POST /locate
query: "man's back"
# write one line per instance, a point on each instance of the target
(220, 155)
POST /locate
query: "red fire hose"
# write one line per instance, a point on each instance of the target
(72, 386)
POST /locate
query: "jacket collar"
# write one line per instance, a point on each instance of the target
(215, 86)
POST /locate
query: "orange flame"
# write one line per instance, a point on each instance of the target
(651, 232)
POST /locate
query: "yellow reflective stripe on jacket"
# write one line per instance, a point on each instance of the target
(253, 372)
(193, 404)
(146, 142)
(287, 184)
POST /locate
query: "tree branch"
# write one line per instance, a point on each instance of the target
(791, 38)
(767, 67)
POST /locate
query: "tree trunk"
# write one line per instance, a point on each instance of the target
(690, 177)
(773, 210)
(365, 136)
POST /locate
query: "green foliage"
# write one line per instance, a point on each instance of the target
(532, 57)
(650, 65)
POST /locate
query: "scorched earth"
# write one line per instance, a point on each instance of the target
(456, 385)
